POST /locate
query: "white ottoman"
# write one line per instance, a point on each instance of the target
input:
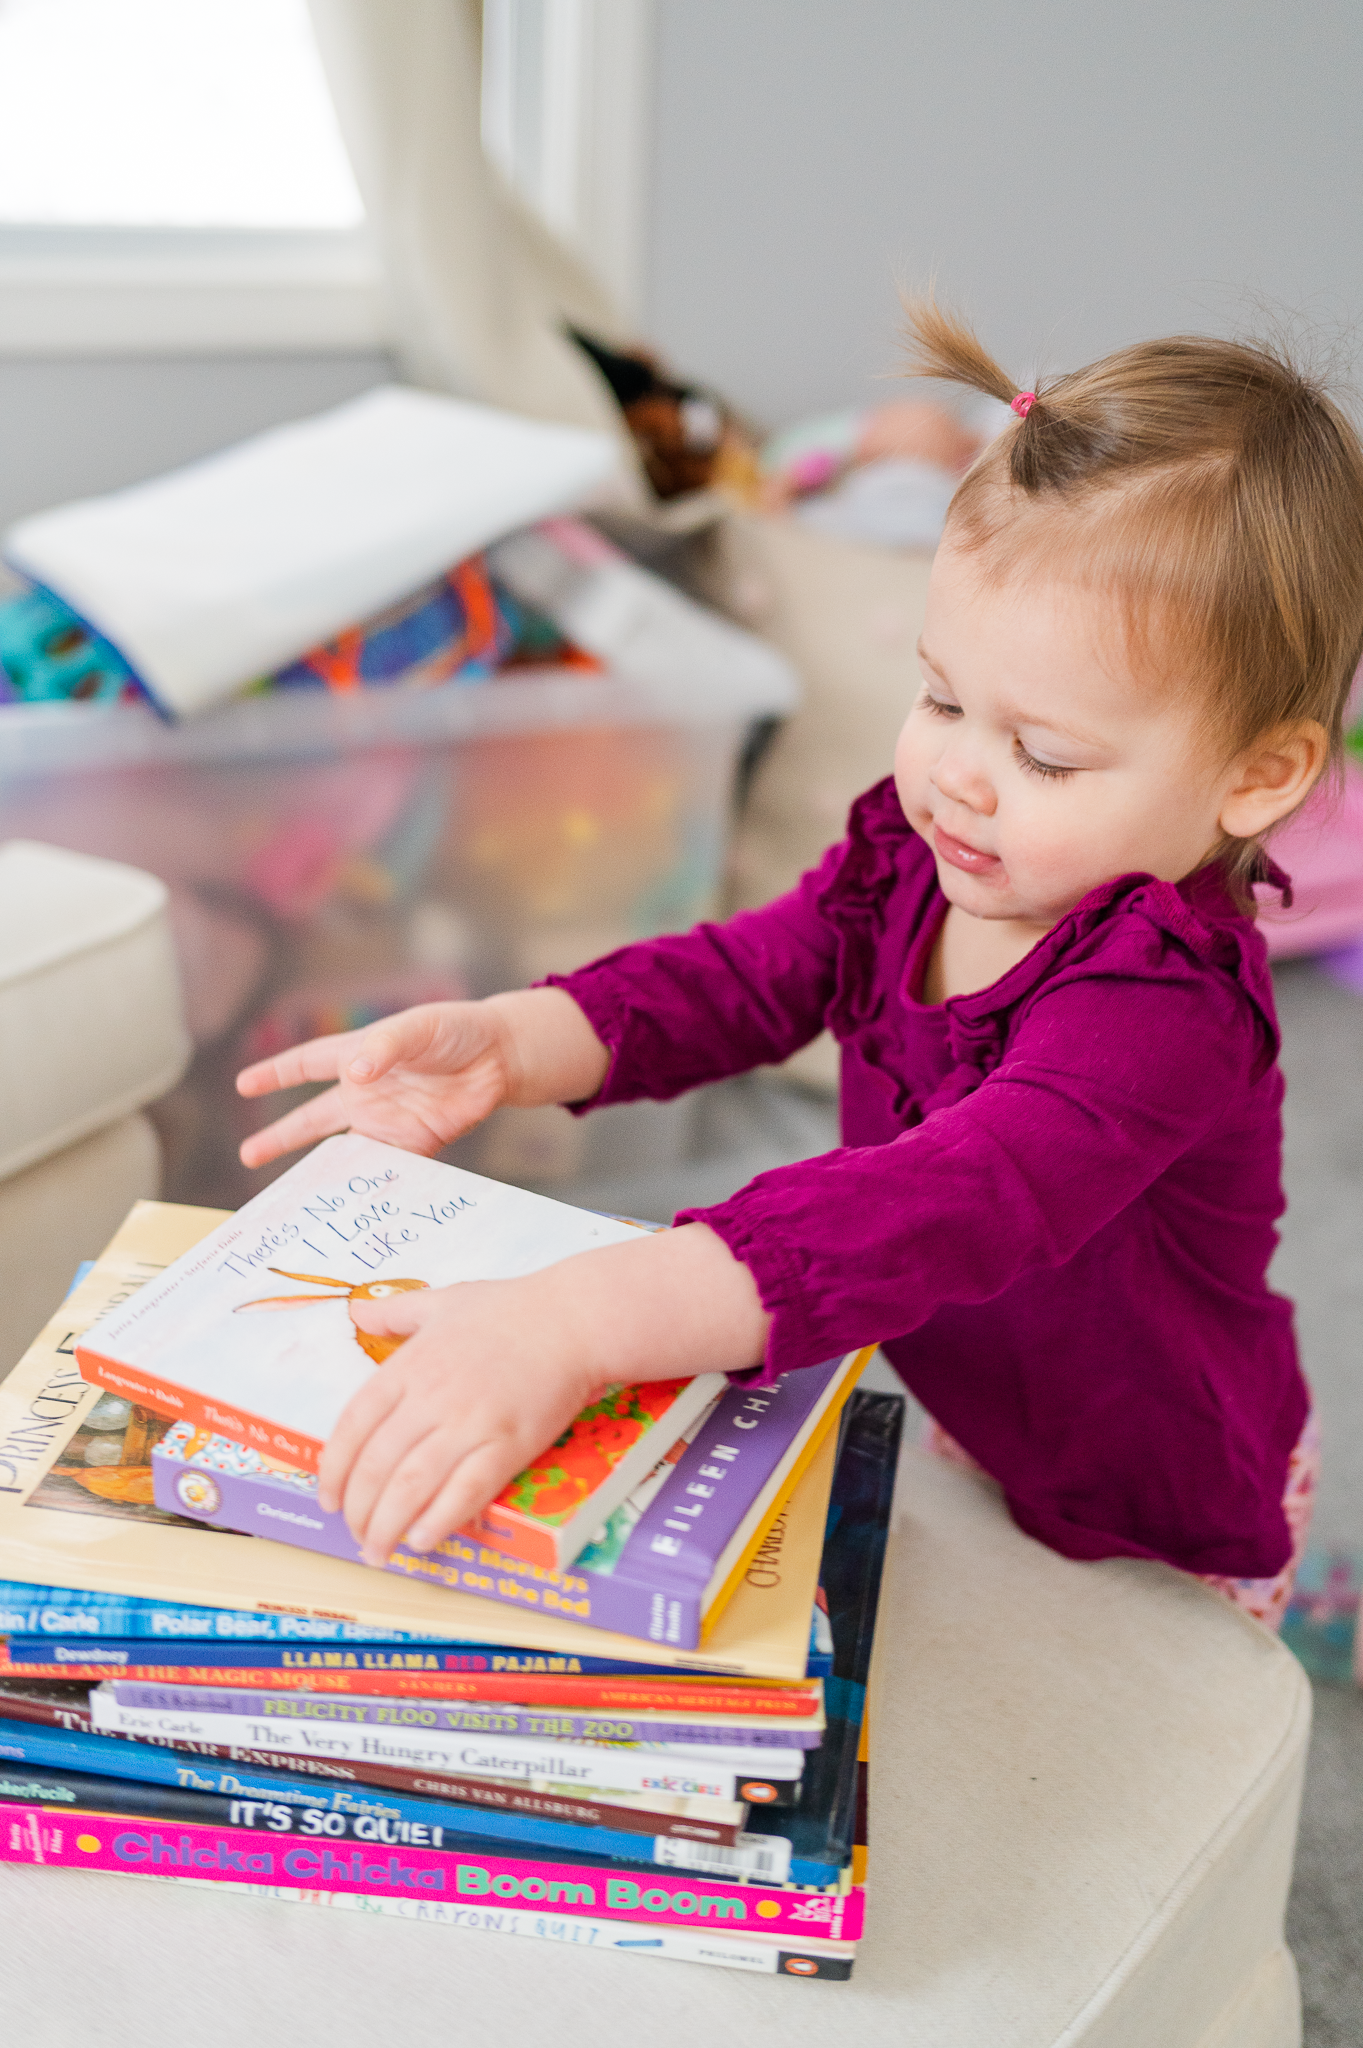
(90, 1029)
(1085, 1782)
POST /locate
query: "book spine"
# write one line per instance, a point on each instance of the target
(683, 1532)
(32, 1835)
(451, 1718)
(414, 1675)
(753, 1954)
(262, 1506)
(513, 1536)
(182, 1404)
(67, 1611)
(411, 1794)
(623, 1770)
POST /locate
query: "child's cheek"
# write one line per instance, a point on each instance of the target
(912, 763)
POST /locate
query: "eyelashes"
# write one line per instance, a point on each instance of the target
(1029, 765)
(1046, 770)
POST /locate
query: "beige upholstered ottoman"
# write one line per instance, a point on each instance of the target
(1084, 1799)
(90, 1030)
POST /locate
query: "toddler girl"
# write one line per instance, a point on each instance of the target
(1055, 1197)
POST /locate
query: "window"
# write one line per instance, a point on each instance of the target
(566, 116)
(168, 113)
(172, 175)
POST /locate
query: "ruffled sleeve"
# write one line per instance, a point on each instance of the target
(1074, 1096)
(721, 999)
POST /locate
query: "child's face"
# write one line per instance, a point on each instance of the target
(1034, 763)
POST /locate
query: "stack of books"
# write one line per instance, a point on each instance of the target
(626, 1709)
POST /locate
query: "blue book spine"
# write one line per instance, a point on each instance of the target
(99, 1756)
(60, 1611)
(120, 1653)
(107, 1756)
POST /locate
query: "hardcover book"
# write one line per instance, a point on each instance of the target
(29, 1834)
(752, 1952)
(60, 1733)
(712, 1772)
(71, 1519)
(822, 1826)
(661, 1568)
(556, 1724)
(225, 1343)
(768, 1706)
(66, 1617)
(392, 1821)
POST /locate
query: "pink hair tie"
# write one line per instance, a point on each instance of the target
(1023, 403)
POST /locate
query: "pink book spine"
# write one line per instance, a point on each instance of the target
(34, 1834)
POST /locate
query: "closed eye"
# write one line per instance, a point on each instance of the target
(1029, 765)
(937, 707)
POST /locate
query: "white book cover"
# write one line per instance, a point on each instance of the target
(710, 1772)
(250, 1334)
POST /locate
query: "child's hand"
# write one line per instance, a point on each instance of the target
(419, 1080)
(478, 1391)
(493, 1370)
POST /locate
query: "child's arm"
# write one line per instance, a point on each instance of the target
(493, 1371)
(658, 1017)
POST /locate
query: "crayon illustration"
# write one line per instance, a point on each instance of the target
(377, 1348)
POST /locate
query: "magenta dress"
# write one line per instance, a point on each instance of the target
(1055, 1199)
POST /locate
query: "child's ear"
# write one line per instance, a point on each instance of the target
(1272, 777)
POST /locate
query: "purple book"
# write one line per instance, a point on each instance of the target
(653, 1570)
(457, 1717)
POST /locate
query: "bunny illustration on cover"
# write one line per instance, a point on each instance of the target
(377, 1348)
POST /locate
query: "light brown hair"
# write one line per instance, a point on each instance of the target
(1211, 486)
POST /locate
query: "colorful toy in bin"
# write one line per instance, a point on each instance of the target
(456, 627)
(49, 655)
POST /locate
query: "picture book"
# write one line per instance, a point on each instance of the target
(217, 1344)
(399, 1823)
(61, 1734)
(752, 1952)
(714, 1773)
(90, 1524)
(768, 1706)
(661, 1569)
(821, 1828)
(554, 1724)
(68, 1618)
(29, 1834)
(70, 1614)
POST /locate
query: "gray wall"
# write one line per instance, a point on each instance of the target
(69, 426)
(1078, 173)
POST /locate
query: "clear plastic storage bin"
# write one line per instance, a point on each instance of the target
(332, 859)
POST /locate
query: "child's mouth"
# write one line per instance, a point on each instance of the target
(958, 855)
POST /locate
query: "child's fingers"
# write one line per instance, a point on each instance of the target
(319, 1059)
(361, 1416)
(408, 1491)
(475, 1481)
(321, 1118)
(397, 1315)
(425, 1037)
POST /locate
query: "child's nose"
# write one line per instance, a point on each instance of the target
(961, 780)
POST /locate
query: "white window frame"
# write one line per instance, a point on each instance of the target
(220, 291)
(567, 115)
(104, 291)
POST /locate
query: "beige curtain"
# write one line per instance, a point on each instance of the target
(478, 289)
